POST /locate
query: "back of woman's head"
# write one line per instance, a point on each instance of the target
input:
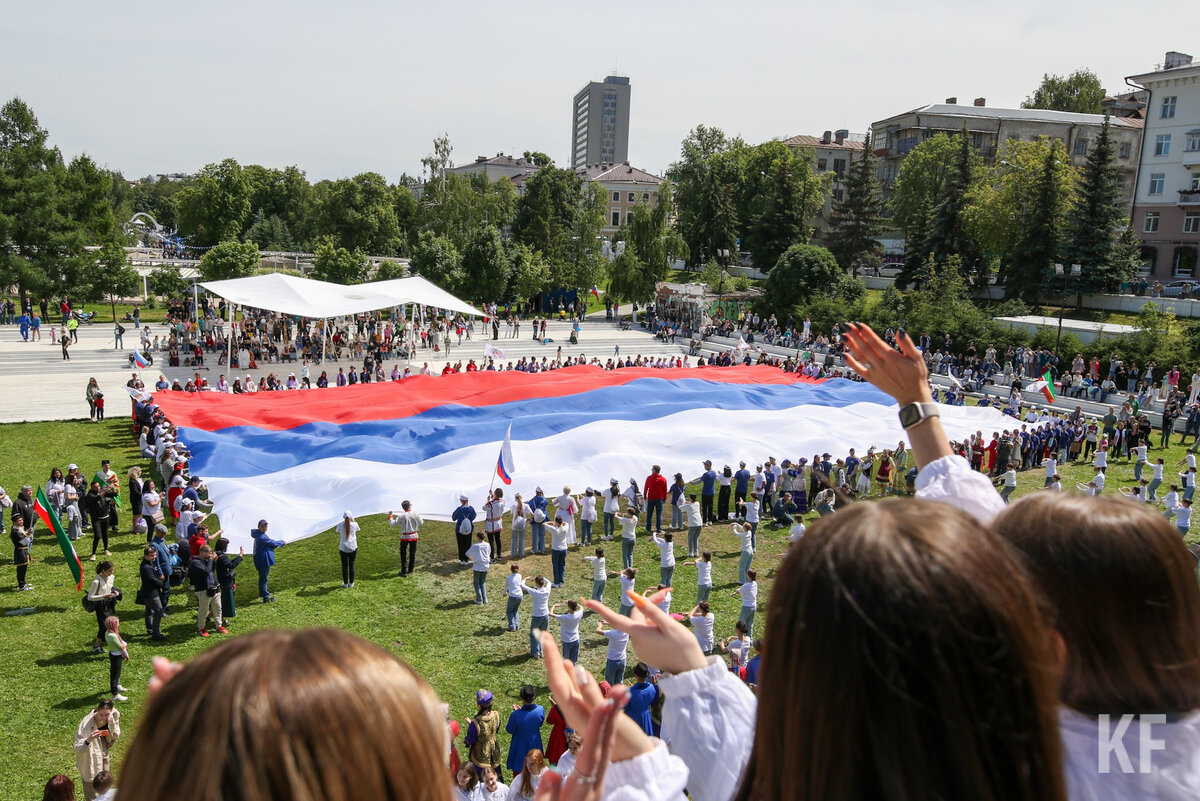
(908, 660)
(59, 788)
(310, 715)
(1123, 594)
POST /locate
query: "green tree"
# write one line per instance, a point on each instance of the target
(857, 219)
(284, 194)
(458, 205)
(230, 260)
(802, 272)
(1037, 245)
(271, 233)
(530, 272)
(629, 279)
(650, 233)
(585, 262)
(167, 281)
(34, 235)
(1127, 253)
(920, 185)
(338, 265)
(438, 260)
(1094, 217)
(112, 277)
(1080, 92)
(948, 232)
(707, 178)
(485, 265)
(538, 157)
(548, 215)
(791, 196)
(215, 206)
(360, 214)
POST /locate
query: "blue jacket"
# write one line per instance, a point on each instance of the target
(641, 697)
(163, 556)
(525, 726)
(264, 549)
(538, 502)
(467, 512)
(741, 481)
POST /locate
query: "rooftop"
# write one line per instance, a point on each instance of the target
(1030, 114)
(804, 140)
(618, 172)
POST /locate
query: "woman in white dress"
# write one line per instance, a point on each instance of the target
(566, 506)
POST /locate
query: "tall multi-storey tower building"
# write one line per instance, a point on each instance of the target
(600, 123)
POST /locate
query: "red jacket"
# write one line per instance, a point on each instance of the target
(656, 487)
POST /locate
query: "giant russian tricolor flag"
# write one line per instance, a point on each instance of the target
(300, 458)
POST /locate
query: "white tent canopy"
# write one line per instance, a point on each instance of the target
(305, 297)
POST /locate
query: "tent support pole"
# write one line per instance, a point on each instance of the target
(229, 356)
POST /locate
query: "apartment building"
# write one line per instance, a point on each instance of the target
(831, 152)
(1167, 204)
(627, 188)
(600, 123)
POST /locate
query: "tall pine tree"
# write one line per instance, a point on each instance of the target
(1094, 218)
(1037, 246)
(857, 219)
(947, 234)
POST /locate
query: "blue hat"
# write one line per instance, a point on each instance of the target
(483, 697)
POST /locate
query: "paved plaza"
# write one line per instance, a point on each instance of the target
(36, 384)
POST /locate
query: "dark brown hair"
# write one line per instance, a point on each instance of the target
(908, 660)
(1122, 589)
(309, 715)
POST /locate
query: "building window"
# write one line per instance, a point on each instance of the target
(1081, 146)
(1125, 150)
(1149, 257)
(1162, 145)
(976, 141)
(616, 219)
(839, 167)
(1168, 107)
(838, 195)
(1191, 222)
(1192, 143)
(1150, 226)
(1185, 262)
(821, 164)
(645, 197)
(1157, 179)
(1195, 185)
(629, 216)
(616, 197)
(633, 197)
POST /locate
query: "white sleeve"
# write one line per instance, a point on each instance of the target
(951, 480)
(647, 777)
(708, 719)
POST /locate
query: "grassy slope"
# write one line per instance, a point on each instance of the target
(51, 679)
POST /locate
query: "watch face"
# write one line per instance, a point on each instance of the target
(910, 415)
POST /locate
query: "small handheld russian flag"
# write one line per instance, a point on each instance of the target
(140, 360)
(504, 465)
(596, 291)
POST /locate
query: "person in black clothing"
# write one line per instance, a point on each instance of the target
(95, 505)
(203, 578)
(226, 569)
(23, 507)
(150, 592)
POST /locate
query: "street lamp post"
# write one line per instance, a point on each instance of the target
(1076, 270)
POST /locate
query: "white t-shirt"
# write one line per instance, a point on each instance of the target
(347, 543)
(1099, 480)
(612, 503)
(1051, 466)
(541, 599)
(796, 532)
(1158, 471)
(598, 567)
(702, 627)
(745, 535)
(558, 536)
(1140, 450)
(703, 573)
(587, 508)
(666, 551)
(691, 511)
(480, 555)
(512, 586)
(617, 640)
(1101, 459)
(628, 528)
(1183, 516)
(749, 593)
(751, 508)
(1191, 459)
(494, 509)
(626, 585)
(570, 625)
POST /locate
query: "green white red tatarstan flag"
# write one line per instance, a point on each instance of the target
(46, 512)
(1046, 385)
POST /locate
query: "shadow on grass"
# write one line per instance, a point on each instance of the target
(508, 661)
(317, 592)
(491, 631)
(81, 703)
(11, 611)
(75, 657)
(463, 604)
(445, 568)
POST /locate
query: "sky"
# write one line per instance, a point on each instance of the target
(343, 88)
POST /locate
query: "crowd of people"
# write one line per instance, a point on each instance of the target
(949, 646)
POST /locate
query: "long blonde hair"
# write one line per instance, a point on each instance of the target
(310, 715)
(539, 762)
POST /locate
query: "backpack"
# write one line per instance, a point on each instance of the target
(89, 605)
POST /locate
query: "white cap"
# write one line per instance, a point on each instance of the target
(462, 497)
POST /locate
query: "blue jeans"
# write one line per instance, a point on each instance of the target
(1137, 470)
(744, 562)
(1153, 487)
(558, 561)
(693, 541)
(676, 516)
(585, 532)
(627, 552)
(1183, 530)
(665, 574)
(480, 577)
(517, 549)
(754, 534)
(263, 574)
(513, 613)
(654, 510)
(702, 591)
(598, 586)
(570, 650)
(747, 617)
(610, 524)
(537, 622)
(538, 536)
(614, 671)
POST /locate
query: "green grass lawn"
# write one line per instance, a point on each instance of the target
(51, 679)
